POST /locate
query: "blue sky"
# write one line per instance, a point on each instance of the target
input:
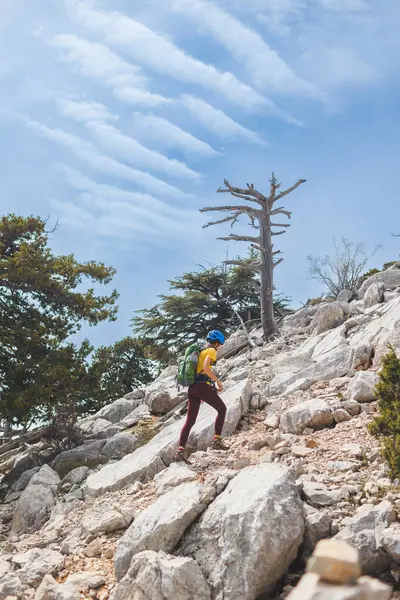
(120, 118)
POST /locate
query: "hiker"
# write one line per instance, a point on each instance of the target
(203, 389)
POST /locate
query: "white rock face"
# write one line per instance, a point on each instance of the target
(312, 413)
(163, 394)
(36, 563)
(329, 315)
(118, 410)
(319, 495)
(152, 458)
(390, 278)
(345, 296)
(106, 520)
(176, 474)
(375, 294)
(93, 426)
(250, 534)
(163, 523)
(35, 503)
(362, 386)
(364, 532)
(49, 589)
(157, 576)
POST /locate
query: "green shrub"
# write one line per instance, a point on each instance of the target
(386, 426)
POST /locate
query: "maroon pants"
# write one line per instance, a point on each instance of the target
(207, 393)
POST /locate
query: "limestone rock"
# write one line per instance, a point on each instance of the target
(119, 446)
(312, 413)
(36, 501)
(364, 531)
(317, 527)
(328, 316)
(163, 395)
(390, 278)
(375, 294)
(119, 409)
(36, 563)
(86, 580)
(335, 561)
(319, 495)
(93, 549)
(390, 542)
(24, 479)
(152, 458)
(49, 589)
(74, 477)
(139, 413)
(11, 587)
(233, 541)
(92, 426)
(310, 587)
(157, 576)
(352, 407)
(106, 519)
(362, 386)
(176, 474)
(23, 462)
(233, 345)
(85, 455)
(340, 415)
(345, 296)
(161, 525)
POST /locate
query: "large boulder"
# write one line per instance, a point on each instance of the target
(163, 394)
(138, 414)
(176, 474)
(120, 445)
(250, 534)
(311, 413)
(93, 427)
(23, 462)
(153, 457)
(36, 563)
(391, 339)
(317, 527)
(88, 455)
(25, 478)
(233, 344)
(329, 315)
(36, 501)
(163, 523)
(345, 296)
(119, 409)
(49, 589)
(364, 531)
(375, 294)
(157, 576)
(74, 477)
(107, 519)
(362, 386)
(390, 278)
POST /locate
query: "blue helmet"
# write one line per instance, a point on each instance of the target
(215, 336)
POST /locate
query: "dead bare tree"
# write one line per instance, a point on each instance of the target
(260, 219)
(343, 269)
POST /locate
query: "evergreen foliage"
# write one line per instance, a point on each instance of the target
(386, 426)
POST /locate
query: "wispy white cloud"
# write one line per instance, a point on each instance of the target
(84, 111)
(217, 122)
(169, 135)
(266, 68)
(132, 152)
(115, 212)
(97, 62)
(162, 55)
(103, 164)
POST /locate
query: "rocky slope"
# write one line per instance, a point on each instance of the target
(115, 519)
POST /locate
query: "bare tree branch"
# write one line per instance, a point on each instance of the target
(241, 238)
(251, 211)
(245, 265)
(243, 193)
(280, 224)
(226, 220)
(277, 232)
(289, 190)
(277, 262)
(281, 211)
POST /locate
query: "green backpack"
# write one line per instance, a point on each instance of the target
(187, 365)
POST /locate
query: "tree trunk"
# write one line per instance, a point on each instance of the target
(268, 321)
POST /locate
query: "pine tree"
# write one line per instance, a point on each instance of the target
(386, 426)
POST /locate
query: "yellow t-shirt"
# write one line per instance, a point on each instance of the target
(211, 352)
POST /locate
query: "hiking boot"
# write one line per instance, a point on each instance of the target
(218, 444)
(180, 456)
